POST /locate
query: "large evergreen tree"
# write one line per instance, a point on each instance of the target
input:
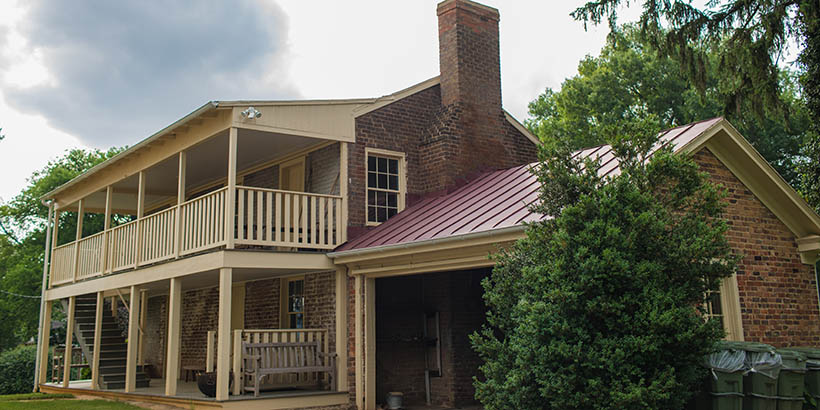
(598, 307)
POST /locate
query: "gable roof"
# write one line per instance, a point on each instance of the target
(499, 201)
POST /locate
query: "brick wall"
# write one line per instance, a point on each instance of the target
(778, 294)
(199, 312)
(262, 307)
(262, 304)
(156, 326)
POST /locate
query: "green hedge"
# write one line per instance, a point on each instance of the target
(17, 370)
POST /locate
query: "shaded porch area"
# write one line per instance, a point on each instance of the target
(189, 396)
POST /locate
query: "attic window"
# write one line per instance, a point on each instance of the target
(385, 186)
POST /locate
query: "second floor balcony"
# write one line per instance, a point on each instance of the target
(237, 188)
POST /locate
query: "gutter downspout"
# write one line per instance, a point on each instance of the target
(43, 321)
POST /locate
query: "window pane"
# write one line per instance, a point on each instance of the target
(371, 214)
(383, 181)
(382, 214)
(299, 288)
(382, 164)
(393, 166)
(371, 163)
(392, 200)
(394, 182)
(391, 212)
(371, 179)
(381, 198)
(714, 301)
(300, 321)
(371, 197)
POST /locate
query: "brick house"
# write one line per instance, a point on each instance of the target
(350, 236)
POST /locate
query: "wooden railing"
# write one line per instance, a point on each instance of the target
(158, 236)
(272, 217)
(122, 246)
(203, 222)
(62, 263)
(89, 262)
(266, 217)
(267, 336)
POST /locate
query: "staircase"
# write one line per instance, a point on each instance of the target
(112, 344)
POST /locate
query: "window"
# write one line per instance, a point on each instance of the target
(385, 185)
(714, 307)
(293, 296)
(723, 305)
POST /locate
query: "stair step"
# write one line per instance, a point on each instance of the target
(120, 377)
(121, 385)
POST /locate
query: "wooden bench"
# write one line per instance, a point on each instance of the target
(264, 359)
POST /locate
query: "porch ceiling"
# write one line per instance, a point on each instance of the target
(207, 164)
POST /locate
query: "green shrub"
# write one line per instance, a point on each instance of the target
(17, 370)
(596, 307)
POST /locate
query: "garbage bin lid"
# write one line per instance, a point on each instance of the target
(748, 346)
(810, 352)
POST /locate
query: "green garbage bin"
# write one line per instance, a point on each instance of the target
(793, 375)
(812, 380)
(754, 401)
(726, 366)
(762, 366)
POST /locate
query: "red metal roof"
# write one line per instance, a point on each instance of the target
(494, 200)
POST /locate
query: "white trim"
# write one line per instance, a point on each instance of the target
(437, 241)
(402, 157)
(521, 128)
(398, 95)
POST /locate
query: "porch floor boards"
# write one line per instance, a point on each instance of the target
(190, 391)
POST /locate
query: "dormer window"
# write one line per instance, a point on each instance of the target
(385, 184)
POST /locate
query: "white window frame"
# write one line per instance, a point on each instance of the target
(402, 177)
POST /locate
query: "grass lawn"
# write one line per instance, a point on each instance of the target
(57, 401)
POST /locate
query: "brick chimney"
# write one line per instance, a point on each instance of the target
(467, 135)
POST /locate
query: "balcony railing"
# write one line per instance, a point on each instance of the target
(263, 217)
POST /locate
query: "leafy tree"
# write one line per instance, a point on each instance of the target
(22, 241)
(751, 38)
(630, 80)
(597, 308)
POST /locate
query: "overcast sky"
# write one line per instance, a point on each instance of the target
(100, 73)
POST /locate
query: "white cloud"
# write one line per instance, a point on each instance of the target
(111, 73)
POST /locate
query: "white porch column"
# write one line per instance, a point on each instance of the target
(341, 330)
(140, 214)
(80, 214)
(174, 326)
(223, 346)
(370, 343)
(42, 370)
(133, 342)
(42, 343)
(358, 360)
(69, 333)
(95, 358)
(230, 201)
(109, 195)
(54, 243)
(180, 199)
(343, 186)
(143, 315)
